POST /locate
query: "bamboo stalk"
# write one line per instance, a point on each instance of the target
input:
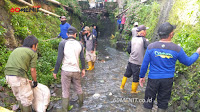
(58, 3)
(123, 12)
(40, 9)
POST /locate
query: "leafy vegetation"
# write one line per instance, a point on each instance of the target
(2, 32)
(146, 14)
(73, 4)
(143, 14)
(4, 54)
(185, 94)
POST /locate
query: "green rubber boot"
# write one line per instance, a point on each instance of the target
(161, 110)
(20, 105)
(65, 104)
(80, 100)
(147, 110)
(26, 109)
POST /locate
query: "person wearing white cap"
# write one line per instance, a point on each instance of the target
(134, 33)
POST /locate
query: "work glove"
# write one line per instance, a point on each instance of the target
(35, 84)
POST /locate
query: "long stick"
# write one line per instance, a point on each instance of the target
(58, 3)
(122, 12)
(40, 9)
(50, 39)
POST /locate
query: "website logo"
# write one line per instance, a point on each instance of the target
(33, 9)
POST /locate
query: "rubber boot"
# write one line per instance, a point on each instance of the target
(134, 87)
(26, 109)
(147, 110)
(92, 66)
(80, 100)
(123, 82)
(161, 110)
(65, 104)
(20, 105)
(89, 65)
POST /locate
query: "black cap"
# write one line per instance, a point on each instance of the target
(71, 30)
(166, 28)
(142, 27)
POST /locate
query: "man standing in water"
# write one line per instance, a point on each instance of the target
(136, 49)
(162, 56)
(69, 52)
(90, 41)
(17, 67)
(63, 27)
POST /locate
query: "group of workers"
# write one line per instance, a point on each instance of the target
(161, 55)
(69, 52)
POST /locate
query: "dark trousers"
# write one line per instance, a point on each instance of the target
(119, 26)
(122, 28)
(160, 88)
(133, 70)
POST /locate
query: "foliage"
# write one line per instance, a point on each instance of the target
(185, 92)
(143, 14)
(73, 4)
(4, 54)
(2, 31)
(48, 56)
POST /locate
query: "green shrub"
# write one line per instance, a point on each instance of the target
(143, 14)
(2, 32)
(186, 35)
(4, 54)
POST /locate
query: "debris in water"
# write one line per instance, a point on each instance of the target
(54, 94)
(103, 61)
(102, 81)
(59, 85)
(115, 78)
(96, 95)
(70, 107)
(107, 57)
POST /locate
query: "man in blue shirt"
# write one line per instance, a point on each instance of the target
(162, 56)
(63, 27)
(94, 31)
(119, 22)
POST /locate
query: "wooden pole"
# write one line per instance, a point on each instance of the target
(58, 3)
(40, 9)
(122, 12)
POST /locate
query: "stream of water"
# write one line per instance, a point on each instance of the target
(101, 85)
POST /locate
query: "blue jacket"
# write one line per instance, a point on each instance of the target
(94, 32)
(63, 30)
(162, 58)
(119, 21)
